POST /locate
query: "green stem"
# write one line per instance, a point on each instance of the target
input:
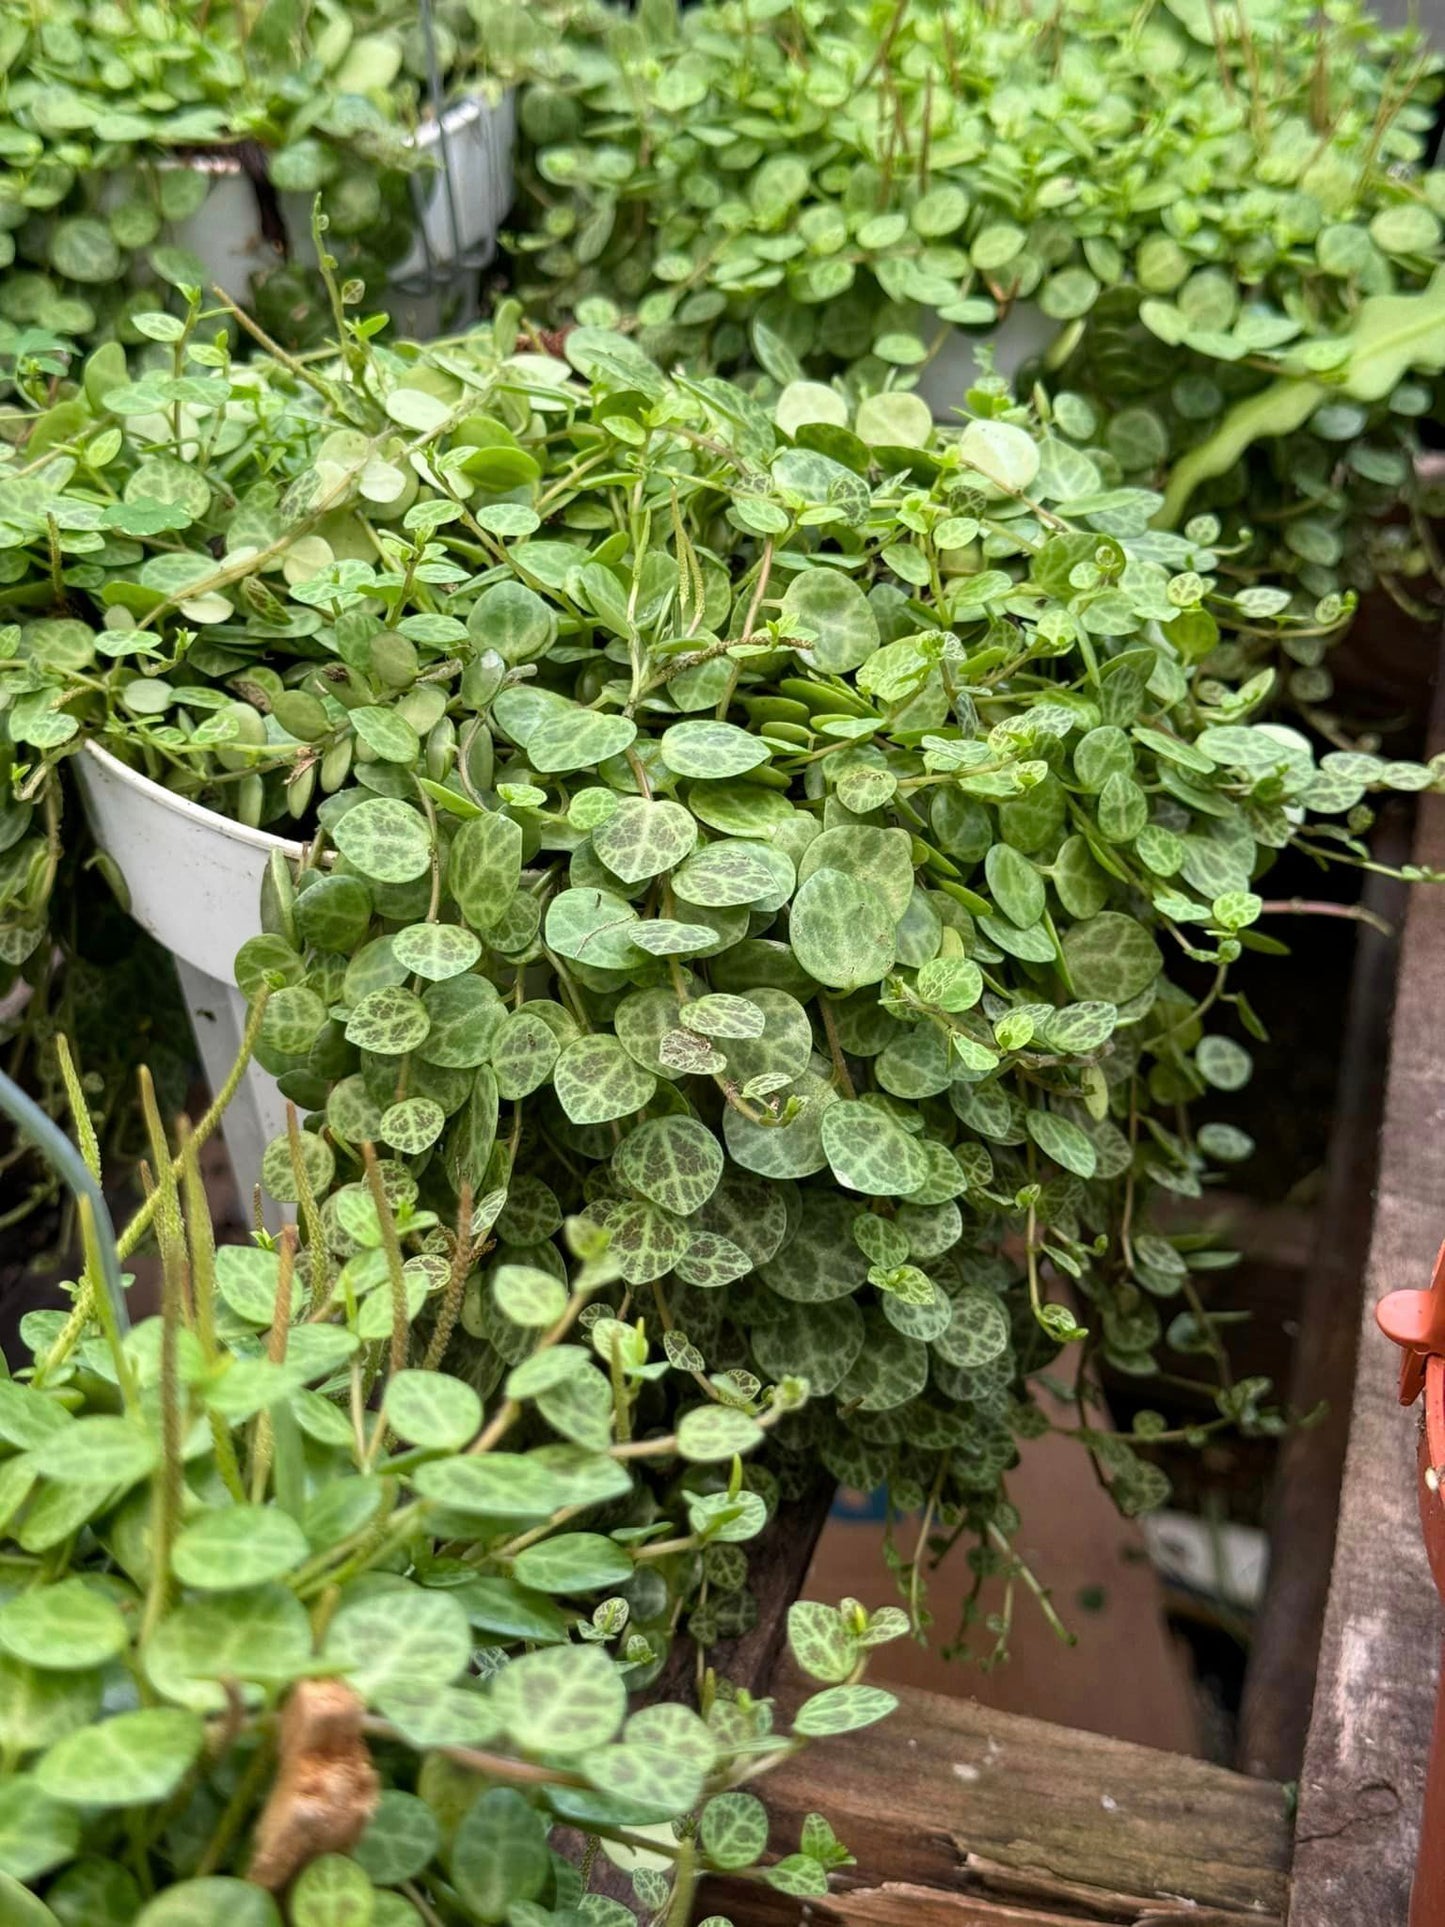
(140, 1223)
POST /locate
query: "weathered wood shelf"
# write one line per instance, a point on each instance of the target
(1364, 1770)
(961, 1816)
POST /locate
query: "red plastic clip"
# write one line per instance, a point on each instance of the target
(1415, 1320)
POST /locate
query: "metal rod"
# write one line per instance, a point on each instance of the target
(52, 1143)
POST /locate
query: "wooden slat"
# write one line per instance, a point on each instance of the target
(1305, 1490)
(947, 1804)
(1374, 1696)
(900, 1904)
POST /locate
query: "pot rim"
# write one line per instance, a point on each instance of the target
(460, 115)
(195, 814)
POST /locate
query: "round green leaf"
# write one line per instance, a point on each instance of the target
(524, 1051)
(278, 1173)
(1016, 885)
(1110, 957)
(868, 1152)
(435, 950)
(484, 869)
(63, 1627)
(390, 1021)
(730, 873)
(209, 1903)
(387, 734)
(596, 1081)
(496, 1485)
(830, 607)
(21, 1908)
(791, 1150)
(463, 1015)
(402, 1635)
(386, 840)
(642, 839)
(97, 1450)
(577, 738)
(243, 1546)
(1063, 1141)
(842, 932)
(528, 1295)
(573, 1562)
(262, 1635)
(674, 1161)
(36, 1832)
(711, 750)
(432, 1410)
(712, 1432)
(977, 1331)
(332, 1891)
(563, 1700)
(412, 1126)
(734, 1831)
(400, 1839)
(130, 1760)
(499, 1855)
(843, 1709)
(592, 927)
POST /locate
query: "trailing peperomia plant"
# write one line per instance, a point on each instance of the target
(806, 859)
(120, 132)
(1149, 207)
(288, 1621)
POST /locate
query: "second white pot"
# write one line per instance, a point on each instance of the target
(1024, 333)
(462, 196)
(194, 882)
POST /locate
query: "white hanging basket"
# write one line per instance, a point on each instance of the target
(194, 881)
(1024, 333)
(462, 195)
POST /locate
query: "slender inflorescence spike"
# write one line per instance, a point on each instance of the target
(395, 1262)
(451, 1305)
(80, 1116)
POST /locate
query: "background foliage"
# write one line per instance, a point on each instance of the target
(1150, 207)
(116, 121)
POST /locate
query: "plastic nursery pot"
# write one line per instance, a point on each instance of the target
(194, 882)
(462, 195)
(1416, 1322)
(1023, 334)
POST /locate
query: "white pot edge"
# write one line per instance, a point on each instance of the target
(194, 878)
(200, 818)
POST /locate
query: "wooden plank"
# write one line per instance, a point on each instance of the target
(955, 1802)
(1305, 1495)
(900, 1904)
(1363, 1775)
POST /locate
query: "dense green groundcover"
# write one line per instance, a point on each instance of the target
(1174, 203)
(281, 1608)
(810, 856)
(775, 868)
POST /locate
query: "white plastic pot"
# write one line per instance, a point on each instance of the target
(1025, 332)
(194, 881)
(467, 199)
(462, 197)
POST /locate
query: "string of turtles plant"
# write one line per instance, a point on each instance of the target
(115, 124)
(811, 857)
(288, 1621)
(1157, 204)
